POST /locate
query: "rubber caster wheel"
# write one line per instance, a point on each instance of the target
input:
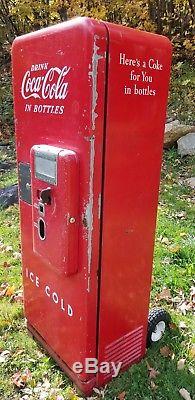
(158, 321)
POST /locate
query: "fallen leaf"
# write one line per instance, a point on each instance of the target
(192, 351)
(172, 326)
(192, 295)
(46, 384)
(18, 352)
(185, 394)
(153, 385)
(192, 369)
(121, 396)
(173, 356)
(166, 351)
(39, 354)
(17, 381)
(181, 214)
(4, 356)
(182, 325)
(166, 260)
(165, 240)
(6, 265)
(3, 290)
(10, 291)
(8, 248)
(175, 248)
(18, 297)
(20, 379)
(181, 363)
(182, 234)
(165, 294)
(184, 306)
(27, 392)
(17, 255)
(43, 395)
(153, 373)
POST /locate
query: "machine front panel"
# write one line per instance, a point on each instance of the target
(59, 87)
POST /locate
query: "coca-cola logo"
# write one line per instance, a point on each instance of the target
(53, 85)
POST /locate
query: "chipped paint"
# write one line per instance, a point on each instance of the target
(89, 208)
(60, 52)
(93, 74)
(88, 218)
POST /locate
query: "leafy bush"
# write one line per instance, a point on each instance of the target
(6, 105)
(174, 18)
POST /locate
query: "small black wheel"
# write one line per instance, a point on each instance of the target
(158, 321)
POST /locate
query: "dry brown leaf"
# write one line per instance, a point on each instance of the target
(185, 394)
(18, 353)
(17, 381)
(20, 379)
(185, 306)
(165, 294)
(6, 265)
(181, 363)
(153, 373)
(121, 396)
(166, 351)
(18, 297)
(192, 351)
(172, 326)
(153, 385)
(2, 292)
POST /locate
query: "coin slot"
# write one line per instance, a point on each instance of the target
(41, 229)
(41, 209)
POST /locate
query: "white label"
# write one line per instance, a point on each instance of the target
(52, 85)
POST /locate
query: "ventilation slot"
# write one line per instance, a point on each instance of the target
(127, 349)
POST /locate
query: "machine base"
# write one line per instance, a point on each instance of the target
(85, 387)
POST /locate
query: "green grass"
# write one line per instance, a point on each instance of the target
(174, 262)
(9, 177)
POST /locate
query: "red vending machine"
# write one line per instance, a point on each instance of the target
(90, 104)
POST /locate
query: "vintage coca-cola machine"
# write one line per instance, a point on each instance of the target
(90, 104)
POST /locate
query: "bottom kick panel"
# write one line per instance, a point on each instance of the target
(127, 349)
(85, 387)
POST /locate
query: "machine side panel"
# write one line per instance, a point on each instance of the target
(138, 77)
(59, 85)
